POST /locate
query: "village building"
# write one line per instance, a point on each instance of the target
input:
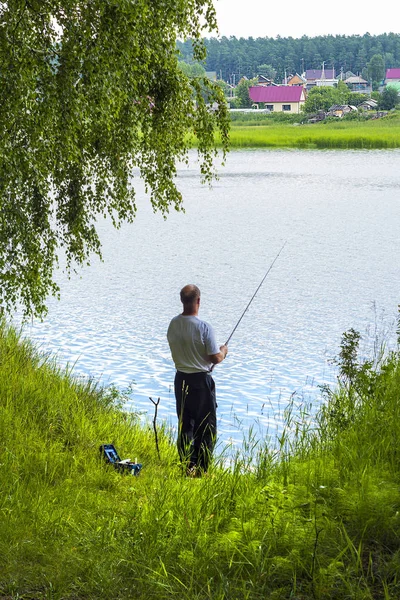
(282, 98)
(392, 76)
(370, 104)
(320, 77)
(346, 75)
(339, 110)
(355, 83)
(392, 79)
(295, 80)
(266, 81)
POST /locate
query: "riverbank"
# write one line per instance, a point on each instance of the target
(318, 518)
(264, 132)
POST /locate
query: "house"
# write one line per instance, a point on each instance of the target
(296, 80)
(355, 83)
(338, 110)
(346, 74)
(392, 79)
(326, 82)
(368, 105)
(392, 76)
(281, 98)
(266, 81)
(321, 77)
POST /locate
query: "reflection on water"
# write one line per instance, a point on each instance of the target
(340, 214)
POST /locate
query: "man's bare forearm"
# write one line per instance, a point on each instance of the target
(217, 358)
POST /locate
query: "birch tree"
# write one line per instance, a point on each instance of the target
(90, 90)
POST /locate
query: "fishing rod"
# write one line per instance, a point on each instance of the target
(255, 293)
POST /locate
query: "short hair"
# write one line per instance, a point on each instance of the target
(189, 294)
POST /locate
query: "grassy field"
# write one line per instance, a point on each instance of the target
(264, 132)
(317, 518)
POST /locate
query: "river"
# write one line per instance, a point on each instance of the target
(338, 211)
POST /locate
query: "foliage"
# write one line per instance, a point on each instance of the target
(267, 71)
(320, 98)
(192, 70)
(316, 516)
(260, 118)
(89, 91)
(389, 98)
(375, 86)
(224, 87)
(376, 68)
(342, 93)
(347, 359)
(242, 93)
(355, 98)
(358, 115)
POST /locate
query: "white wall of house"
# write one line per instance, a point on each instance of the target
(287, 107)
(326, 82)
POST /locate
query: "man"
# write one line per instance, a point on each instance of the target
(194, 351)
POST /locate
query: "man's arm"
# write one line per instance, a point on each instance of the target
(217, 358)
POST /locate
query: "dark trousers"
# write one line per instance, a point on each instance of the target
(196, 408)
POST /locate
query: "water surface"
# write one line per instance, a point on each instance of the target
(339, 212)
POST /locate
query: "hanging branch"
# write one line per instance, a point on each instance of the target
(155, 424)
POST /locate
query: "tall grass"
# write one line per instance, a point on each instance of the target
(316, 517)
(345, 134)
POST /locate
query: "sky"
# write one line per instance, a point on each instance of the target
(262, 18)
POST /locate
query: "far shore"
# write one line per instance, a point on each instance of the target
(266, 132)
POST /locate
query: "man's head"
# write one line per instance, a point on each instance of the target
(190, 297)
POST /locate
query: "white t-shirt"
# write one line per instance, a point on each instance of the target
(191, 341)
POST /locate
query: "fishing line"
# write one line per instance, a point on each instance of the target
(255, 293)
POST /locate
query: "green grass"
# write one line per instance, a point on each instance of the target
(352, 134)
(319, 517)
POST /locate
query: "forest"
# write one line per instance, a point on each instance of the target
(233, 58)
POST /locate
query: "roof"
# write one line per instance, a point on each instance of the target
(392, 73)
(371, 102)
(317, 73)
(355, 79)
(281, 93)
(290, 77)
(395, 85)
(339, 106)
(344, 108)
(263, 80)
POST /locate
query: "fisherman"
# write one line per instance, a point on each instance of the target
(194, 351)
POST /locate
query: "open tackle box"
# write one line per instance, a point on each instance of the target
(111, 456)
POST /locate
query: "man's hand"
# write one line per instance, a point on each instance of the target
(217, 358)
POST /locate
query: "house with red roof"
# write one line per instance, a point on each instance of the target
(281, 98)
(392, 76)
(392, 79)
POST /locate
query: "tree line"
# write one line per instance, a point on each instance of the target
(233, 58)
